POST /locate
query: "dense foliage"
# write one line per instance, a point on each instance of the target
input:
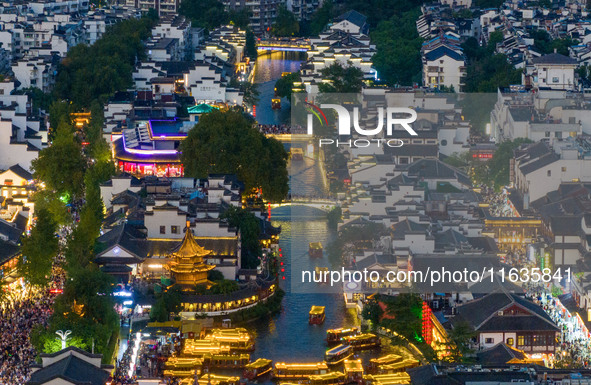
(284, 85)
(249, 228)
(83, 80)
(286, 24)
(227, 142)
(39, 250)
(341, 79)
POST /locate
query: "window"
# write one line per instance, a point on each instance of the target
(174, 229)
(162, 229)
(549, 172)
(564, 169)
(571, 120)
(417, 141)
(510, 341)
(520, 340)
(488, 340)
(559, 135)
(444, 142)
(555, 79)
(547, 134)
(539, 340)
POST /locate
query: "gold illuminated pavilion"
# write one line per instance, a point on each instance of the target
(186, 264)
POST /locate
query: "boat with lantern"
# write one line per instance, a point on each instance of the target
(237, 339)
(227, 361)
(315, 249)
(338, 354)
(363, 341)
(335, 336)
(317, 315)
(258, 368)
(353, 371)
(216, 379)
(387, 379)
(331, 378)
(285, 371)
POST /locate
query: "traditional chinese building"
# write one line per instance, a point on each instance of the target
(186, 265)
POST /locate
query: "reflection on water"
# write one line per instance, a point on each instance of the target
(269, 67)
(287, 335)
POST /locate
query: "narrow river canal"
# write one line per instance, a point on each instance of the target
(287, 336)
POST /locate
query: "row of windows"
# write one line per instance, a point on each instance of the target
(173, 230)
(527, 340)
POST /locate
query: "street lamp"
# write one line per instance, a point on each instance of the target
(63, 336)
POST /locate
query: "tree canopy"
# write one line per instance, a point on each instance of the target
(341, 79)
(284, 85)
(96, 72)
(286, 24)
(208, 14)
(249, 228)
(39, 249)
(227, 142)
(61, 166)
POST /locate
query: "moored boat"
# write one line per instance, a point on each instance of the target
(338, 354)
(285, 371)
(332, 378)
(258, 368)
(363, 341)
(335, 336)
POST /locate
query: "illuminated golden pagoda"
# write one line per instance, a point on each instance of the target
(186, 265)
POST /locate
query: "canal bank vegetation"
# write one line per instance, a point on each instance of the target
(403, 315)
(352, 238)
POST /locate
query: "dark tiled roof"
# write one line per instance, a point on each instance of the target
(71, 369)
(353, 17)
(554, 58)
(499, 354)
(10, 230)
(443, 51)
(18, 170)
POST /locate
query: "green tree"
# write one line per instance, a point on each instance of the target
(461, 337)
(321, 17)
(491, 73)
(398, 57)
(334, 216)
(61, 166)
(284, 85)
(250, 232)
(225, 286)
(372, 312)
(286, 23)
(499, 165)
(405, 311)
(158, 312)
(348, 79)
(250, 91)
(39, 250)
(208, 14)
(250, 45)
(227, 142)
(240, 18)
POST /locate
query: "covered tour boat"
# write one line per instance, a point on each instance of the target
(315, 249)
(285, 371)
(363, 341)
(258, 368)
(338, 354)
(332, 378)
(335, 336)
(317, 315)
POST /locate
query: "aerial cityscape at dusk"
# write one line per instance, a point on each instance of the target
(312, 192)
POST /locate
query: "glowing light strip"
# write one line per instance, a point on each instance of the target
(147, 152)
